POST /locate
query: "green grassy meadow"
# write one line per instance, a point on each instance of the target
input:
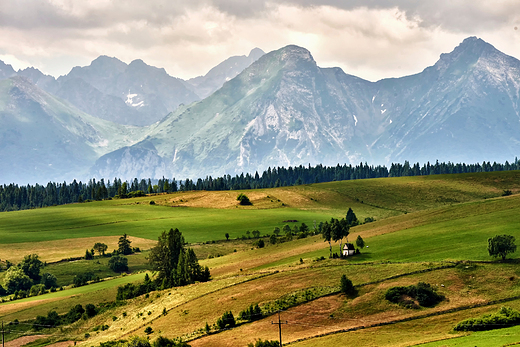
(423, 225)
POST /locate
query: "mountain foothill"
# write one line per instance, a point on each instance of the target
(277, 109)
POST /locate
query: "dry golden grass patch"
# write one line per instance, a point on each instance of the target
(302, 197)
(50, 251)
(137, 317)
(220, 199)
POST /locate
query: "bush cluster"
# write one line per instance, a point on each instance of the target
(424, 293)
(83, 279)
(252, 313)
(53, 319)
(226, 321)
(347, 287)
(130, 290)
(505, 317)
(266, 343)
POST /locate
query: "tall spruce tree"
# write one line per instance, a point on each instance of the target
(124, 245)
(173, 264)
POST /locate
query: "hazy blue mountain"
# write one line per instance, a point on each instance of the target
(133, 94)
(43, 139)
(38, 78)
(6, 70)
(145, 93)
(206, 85)
(464, 108)
(285, 110)
(281, 110)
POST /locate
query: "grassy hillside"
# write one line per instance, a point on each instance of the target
(205, 216)
(422, 225)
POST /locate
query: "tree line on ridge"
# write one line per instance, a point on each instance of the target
(15, 197)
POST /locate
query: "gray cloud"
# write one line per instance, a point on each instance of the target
(368, 38)
(458, 15)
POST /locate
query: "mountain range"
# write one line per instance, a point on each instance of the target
(252, 112)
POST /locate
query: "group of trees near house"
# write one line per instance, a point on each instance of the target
(336, 229)
(15, 197)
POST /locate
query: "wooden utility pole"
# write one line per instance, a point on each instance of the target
(279, 327)
(2, 333)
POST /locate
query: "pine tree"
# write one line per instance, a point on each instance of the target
(124, 245)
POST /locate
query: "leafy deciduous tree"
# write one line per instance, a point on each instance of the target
(326, 233)
(16, 279)
(226, 321)
(101, 248)
(31, 265)
(118, 263)
(243, 199)
(501, 246)
(49, 280)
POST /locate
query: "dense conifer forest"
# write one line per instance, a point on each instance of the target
(14, 197)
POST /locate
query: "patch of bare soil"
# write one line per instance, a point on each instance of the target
(23, 340)
(62, 344)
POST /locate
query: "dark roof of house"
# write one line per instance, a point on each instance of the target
(349, 246)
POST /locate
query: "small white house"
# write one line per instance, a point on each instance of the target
(348, 249)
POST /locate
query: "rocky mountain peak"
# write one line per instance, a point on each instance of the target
(104, 62)
(295, 53)
(255, 54)
(6, 70)
(465, 55)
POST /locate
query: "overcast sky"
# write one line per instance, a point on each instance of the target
(372, 39)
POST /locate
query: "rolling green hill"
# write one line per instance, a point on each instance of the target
(432, 229)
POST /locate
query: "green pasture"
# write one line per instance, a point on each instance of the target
(99, 267)
(145, 221)
(62, 301)
(456, 233)
(497, 337)
(380, 198)
(410, 194)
